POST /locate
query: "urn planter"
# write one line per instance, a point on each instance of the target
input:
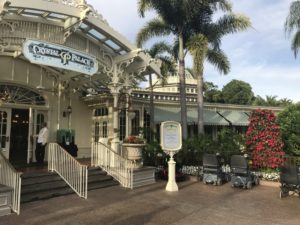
(134, 152)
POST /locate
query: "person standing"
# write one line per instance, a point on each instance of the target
(41, 144)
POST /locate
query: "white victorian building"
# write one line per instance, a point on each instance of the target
(61, 63)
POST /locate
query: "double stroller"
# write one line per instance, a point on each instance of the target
(240, 173)
(212, 169)
(290, 176)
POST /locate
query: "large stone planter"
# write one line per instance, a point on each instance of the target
(133, 152)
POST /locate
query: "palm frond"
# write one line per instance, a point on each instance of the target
(219, 60)
(233, 23)
(293, 20)
(168, 65)
(190, 71)
(160, 48)
(198, 46)
(155, 27)
(296, 43)
(223, 5)
(143, 6)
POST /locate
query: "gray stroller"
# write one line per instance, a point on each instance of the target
(240, 173)
(212, 170)
(290, 176)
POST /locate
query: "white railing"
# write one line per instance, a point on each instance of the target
(113, 163)
(11, 178)
(68, 168)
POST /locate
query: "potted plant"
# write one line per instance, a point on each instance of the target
(132, 149)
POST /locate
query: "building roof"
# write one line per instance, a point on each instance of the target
(74, 19)
(213, 118)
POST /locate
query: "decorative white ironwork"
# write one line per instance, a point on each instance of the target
(73, 3)
(68, 168)
(10, 25)
(97, 15)
(4, 44)
(20, 95)
(11, 178)
(113, 163)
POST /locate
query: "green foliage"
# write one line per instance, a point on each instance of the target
(238, 92)
(227, 143)
(212, 94)
(193, 149)
(153, 155)
(289, 121)
(271, 100)
(230, 143)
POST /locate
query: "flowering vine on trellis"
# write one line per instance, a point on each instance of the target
(263, 140)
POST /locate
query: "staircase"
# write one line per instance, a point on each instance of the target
(39, 185)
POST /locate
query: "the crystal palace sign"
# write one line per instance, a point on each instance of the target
(49, 54)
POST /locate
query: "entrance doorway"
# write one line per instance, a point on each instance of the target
(19, 136)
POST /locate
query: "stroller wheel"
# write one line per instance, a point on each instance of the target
(249, 185)
(281, 194)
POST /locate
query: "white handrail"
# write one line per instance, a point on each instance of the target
(11, 178)
(114, 164)
(68, 168)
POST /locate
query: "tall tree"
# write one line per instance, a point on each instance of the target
(164, 52)
(204, 44)
(212, 93)
(238, 92)
(180, 18)
(292, 25)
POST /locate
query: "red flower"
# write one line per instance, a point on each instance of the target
(263, 140)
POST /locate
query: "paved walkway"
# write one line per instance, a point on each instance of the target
(195, 203)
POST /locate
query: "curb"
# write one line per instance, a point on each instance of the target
(269, 183)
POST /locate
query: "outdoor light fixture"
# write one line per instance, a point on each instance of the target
(67, 112)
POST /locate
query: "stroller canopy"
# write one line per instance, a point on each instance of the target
(210, 160)
(238, 161)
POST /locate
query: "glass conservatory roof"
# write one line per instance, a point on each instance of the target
(96, 34)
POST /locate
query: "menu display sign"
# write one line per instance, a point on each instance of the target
(171, 136)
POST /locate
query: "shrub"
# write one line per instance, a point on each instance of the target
(227, 143)
(263, 140)
(289, 120)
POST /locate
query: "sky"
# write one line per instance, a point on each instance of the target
(260, 56)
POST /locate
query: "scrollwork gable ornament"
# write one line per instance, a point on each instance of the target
(105, 62)
(4, 45)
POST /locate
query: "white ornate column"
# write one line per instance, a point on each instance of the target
(115, 90)
(128, 80)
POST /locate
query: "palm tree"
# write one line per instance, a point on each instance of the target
(180, 18)
(205, 45)
(292, 24)
(164, 52)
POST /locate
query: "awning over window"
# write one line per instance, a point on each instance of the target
(237, 118)
(173, 113)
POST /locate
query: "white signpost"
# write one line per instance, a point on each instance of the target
(49, 54)
(171, 142)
